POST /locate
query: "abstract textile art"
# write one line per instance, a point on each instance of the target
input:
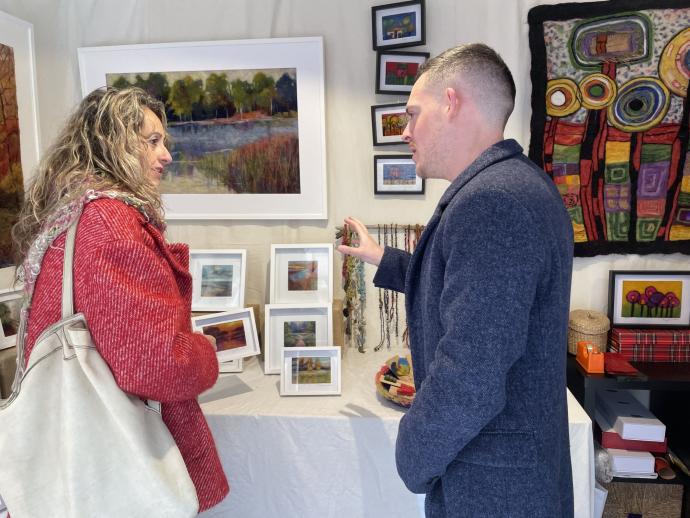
(610, 120)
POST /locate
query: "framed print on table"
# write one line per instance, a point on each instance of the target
(294, 325)
(19, 137)
(246, 119)
(231, 366)
(398, 25)
(396, 174)
(649, 298)
(234, 331)
(10, 307)
(218, 279)
(396, 71)
(388, 122)
(301, 273)
(310, 371)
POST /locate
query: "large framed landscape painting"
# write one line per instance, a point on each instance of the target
(245, 119)
(19, 140)
(610, 114)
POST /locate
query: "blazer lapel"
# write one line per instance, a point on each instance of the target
(496, 153)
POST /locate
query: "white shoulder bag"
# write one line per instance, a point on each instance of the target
(73, 444)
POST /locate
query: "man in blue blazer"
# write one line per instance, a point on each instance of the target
(487, 295)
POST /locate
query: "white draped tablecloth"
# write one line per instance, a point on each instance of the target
(331, 456)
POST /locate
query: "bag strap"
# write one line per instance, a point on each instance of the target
(67, 279)
(67, 309)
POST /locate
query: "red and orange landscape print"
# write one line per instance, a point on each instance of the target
(228, 335)
(11, 177)
(231, 131)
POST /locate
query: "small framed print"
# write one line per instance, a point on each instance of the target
(398, 25)
(397, 71)
(294, 325)
(310, 371)
(396, 174)
(10, 308)
(649, 298)
(301, 274)
(231, 366)
(388, 122)
(234, 331)
(218, 278)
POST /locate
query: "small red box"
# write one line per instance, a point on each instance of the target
(651, 345)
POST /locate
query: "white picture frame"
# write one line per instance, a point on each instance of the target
(11, 301)
(18, 35)
(304, 55)
(301, 273)
(235, 333)
(218, 279)
(294, 325)
(232, 366)
(296, 380)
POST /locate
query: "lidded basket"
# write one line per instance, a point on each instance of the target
(588, 325)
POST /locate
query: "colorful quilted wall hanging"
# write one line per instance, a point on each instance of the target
(610, 115)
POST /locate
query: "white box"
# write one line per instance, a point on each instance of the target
(633, 462)
(600, 494)
(631, 420)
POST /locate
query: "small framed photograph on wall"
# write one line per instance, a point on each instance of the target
(396, 71)
(310, 371)
(234, 331)
(10, 308)
(388, 122)
(398, 25)
(649, 298)
(301, 273)
(396, 174)
(218, 279)
(294, 325)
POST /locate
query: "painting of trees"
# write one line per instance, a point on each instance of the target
(233, 131)
(11, 178)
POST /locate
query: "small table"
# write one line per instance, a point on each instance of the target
(331, 455)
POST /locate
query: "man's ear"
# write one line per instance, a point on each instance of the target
(452, 99)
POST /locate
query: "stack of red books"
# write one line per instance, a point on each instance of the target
(651, 345)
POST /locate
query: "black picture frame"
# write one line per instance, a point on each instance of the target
(645, 296)
(407, 63)
(402, 183)
(410, 31)
(388, 122)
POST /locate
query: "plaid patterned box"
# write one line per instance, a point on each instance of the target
(651, 345)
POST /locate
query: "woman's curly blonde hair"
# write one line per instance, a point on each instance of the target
(100, 148)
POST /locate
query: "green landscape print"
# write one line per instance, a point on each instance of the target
(231, 131)
(301, 333)
(311, 370)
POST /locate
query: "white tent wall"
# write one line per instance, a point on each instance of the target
(61, 26)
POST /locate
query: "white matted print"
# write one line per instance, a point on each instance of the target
(310, 371)
(231, 366)
(246, 119)
(294, 325)
(10, 308)
(301, 273)
(218, 279)
(234, 331)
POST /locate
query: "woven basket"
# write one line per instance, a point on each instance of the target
(588, 325)
(405, 401)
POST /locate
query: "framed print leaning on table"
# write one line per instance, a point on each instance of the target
(301, 273)
(246, 119)
(234, 331)
(218, 279)
(649, 298)
(310, 371)
(294, 325)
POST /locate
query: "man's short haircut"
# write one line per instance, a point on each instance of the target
(483, 74)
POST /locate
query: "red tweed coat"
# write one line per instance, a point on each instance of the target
(135, 292)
